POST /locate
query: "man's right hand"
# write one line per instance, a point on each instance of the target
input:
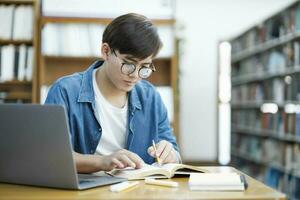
(121, 159)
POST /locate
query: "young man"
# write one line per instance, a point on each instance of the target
(113, 114)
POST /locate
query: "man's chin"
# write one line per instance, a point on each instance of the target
(127, 88)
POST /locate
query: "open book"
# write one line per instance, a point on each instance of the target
(156, 171)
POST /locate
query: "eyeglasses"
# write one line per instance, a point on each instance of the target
(144, 71)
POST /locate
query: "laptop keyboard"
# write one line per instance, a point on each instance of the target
(85, 178)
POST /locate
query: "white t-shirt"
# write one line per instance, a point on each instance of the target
(113, 121)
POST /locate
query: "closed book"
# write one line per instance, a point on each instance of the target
(217, 182)
(7, 62)
(297, 125)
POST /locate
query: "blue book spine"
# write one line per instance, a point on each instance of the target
(297, 125)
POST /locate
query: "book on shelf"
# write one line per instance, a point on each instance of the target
(155, 171)
(44, 92)
(83, 40)
(7, 62)
(16, 22)
(16, 62)
(297, 129)
(23, 23)
(217, 182)
(156, 9)
(166, 94)
(6, 21)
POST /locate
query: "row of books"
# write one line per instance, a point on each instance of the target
(277, 89)
(286, 157)
(16, 63)
(280, 123)
(282, 24)
(285, 183)
(83, 40)
(72, 39)
(271, 176)
(156, 9)
(270, 62)
(16, 22)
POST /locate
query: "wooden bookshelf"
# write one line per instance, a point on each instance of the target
(284, 137)
(105, 21)
(52, 67)
(16, 42)
(23, 91)
(265, 68)
(265, 76)
(260, 162)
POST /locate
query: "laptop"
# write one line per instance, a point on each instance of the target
(35, 149)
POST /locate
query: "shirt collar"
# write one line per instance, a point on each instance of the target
(86, 93)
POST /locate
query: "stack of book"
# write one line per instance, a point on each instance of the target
(217, 182)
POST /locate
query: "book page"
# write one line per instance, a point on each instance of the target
(175, 168)
(132, 174)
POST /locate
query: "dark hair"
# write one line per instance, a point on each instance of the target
(133, 34)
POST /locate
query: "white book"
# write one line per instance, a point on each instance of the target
(21, 64)
(156, 9)
(7, 62)
(2, 21)
(84, 48)
(29, 64)
(19, 16)
(217, 181)
(166, 34)
(44, 93)
(166, 94)
(28, 23)
(95, 39)
(161, 9)
(50, 40)
(6, 21)
(23, 23)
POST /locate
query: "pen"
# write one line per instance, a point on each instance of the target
(243, 179)
(119, 187)
(152, 181)
(156, 155)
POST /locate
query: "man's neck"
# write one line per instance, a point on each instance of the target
(112, 94)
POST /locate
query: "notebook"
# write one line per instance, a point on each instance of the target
(217, 182)
(156, 171)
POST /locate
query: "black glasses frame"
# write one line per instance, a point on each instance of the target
(152, 67)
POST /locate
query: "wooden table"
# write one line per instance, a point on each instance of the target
(256, 190)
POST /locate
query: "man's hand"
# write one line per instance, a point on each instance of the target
(93, 163)
(121, 159)
(165, 152)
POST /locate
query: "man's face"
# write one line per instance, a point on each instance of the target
(119, 75)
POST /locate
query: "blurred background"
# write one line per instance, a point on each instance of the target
(228, 72)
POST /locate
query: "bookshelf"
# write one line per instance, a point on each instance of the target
(265, 104)
(56, 64)
(19, 46)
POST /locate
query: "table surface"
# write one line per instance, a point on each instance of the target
(256, 190)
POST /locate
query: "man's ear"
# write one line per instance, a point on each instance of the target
(105, 51)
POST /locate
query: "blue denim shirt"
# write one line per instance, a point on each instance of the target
(147, 115)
